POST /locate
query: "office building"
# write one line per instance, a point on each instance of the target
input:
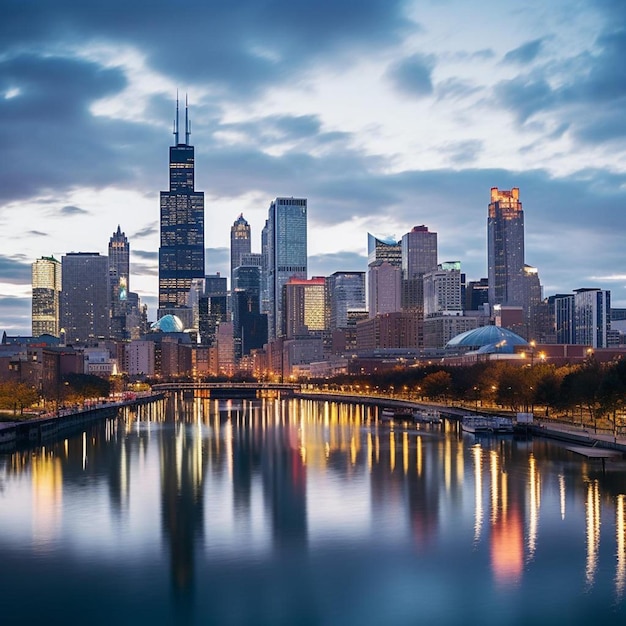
(46, 302)
(505, 248)
(383, 249)
(346, 292)
(286, 254)
(384, 283)
(181, 251)
(592, 317)
(85, 297)
(476, 294)
(250, 325)
(119, 276)
(213, 308)
(239, 245)
(442, 290)
(419, 256)
(305, 306)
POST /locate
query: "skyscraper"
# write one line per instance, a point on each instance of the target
(592, 317)
(305, 306)
(387, 249)
(46, 284)
(85, 312)
(346, 292)
(119, 274)
(286, 233)
(239, 245)
(505, 248)
(419, 256)
(181, 253)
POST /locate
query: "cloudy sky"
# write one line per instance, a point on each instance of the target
(385, 114)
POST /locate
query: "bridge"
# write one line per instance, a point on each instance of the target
(230, 390)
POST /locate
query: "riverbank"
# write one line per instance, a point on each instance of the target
(34, 431)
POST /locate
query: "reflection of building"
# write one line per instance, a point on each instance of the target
(181, 251)
(182, 474)
(85, 314)
(46, 283)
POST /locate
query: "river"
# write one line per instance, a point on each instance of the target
(303, 512)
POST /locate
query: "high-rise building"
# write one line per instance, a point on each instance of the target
(592, 317)
(250, 325)
(383, 249)
(505, 248)
(181, 253)
(85, 297)
(119, 275)
(305, 306)
(442, 290)
(476, 294)
(384, 283)
(239, 245)
(346, 292)
(46, 284)
(419, 256)
(213, 308)
(286, 236)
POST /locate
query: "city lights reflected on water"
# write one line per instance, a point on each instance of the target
(309, 500)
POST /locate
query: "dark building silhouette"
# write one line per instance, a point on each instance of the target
(181, 253)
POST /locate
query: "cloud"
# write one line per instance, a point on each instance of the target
(15, 271)
(147, 231)
(70, 210)
(237, 47)
(16, 315)
(327, 264)
(413, 75)
(148, 255)
(524, 54)
(217, 261)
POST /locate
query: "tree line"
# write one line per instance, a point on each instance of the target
(590, 392)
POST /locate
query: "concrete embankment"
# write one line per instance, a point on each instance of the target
(33, 432)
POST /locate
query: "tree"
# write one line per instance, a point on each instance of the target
(437, 385)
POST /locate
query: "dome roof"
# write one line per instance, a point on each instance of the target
(487, 339)
(168, 324)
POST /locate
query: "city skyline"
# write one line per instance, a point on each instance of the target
(407, 115)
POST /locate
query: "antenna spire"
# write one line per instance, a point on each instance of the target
(176, 122)
(187, 122)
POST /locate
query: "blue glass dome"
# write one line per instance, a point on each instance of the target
(168, 324)
(488, 339)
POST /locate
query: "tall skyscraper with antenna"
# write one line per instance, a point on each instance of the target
(181, 251)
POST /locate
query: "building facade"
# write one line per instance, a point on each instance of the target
(85, 297)
(181, 251)
(419, 256)
(384, 283)
(505, 248)
(346, 292)
(46, 302)
(592, 317)
(240, 245)
(286, 255)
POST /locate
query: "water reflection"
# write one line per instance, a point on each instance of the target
(212, 489)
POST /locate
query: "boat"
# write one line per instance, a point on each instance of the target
(486, 424)
(389, 414)
(427, 416)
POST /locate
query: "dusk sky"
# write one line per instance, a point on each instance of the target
(384, 114)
